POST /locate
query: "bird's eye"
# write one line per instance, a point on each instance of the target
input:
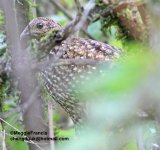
(39, 25)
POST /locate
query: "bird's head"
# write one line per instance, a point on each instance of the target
(39, 27)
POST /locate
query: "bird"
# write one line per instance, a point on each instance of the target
(61, 80)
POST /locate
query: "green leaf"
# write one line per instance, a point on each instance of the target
(131, 146)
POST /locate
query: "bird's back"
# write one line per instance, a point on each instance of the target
(61, 80)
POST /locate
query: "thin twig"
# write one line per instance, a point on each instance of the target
(51, 125)
(67, 14)
(89, 6)
(79, 8)
(59, 62)
(24, 107)
(20, 131)
(72, 26)
(3, 140)
(61, 8)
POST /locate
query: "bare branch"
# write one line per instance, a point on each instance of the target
(61, 8)
(51, 125)
(72, 26)
(79, 8)
(10, 125)
(68, 15)
(2, 139)
(58, 62)
(21, 72)
(89, 6)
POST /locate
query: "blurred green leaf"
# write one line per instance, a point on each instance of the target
(65, 133)
(128, 73)
(132, 145)
(19, 145)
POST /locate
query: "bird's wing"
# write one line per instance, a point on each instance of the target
(61, 81)
(89, 49)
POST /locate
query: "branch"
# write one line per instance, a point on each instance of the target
(12, 127)
(51, 125)
(61, 8)
(59, 62)
(80, 62)
(67, 14)
(2, 137)
(78, 5)
(89, 6)
(21, 72)
(79, 20)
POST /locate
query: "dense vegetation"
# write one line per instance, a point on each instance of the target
(124, 103)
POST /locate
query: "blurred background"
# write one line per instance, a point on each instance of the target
(124, 104)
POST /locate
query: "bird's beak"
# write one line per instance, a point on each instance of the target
(25, 33)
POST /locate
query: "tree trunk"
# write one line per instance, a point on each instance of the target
(22, 72)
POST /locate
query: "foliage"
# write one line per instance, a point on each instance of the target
(1, 18)
(120, 117)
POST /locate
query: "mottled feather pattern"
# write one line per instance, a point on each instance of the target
(61, 80)
(87, 49)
